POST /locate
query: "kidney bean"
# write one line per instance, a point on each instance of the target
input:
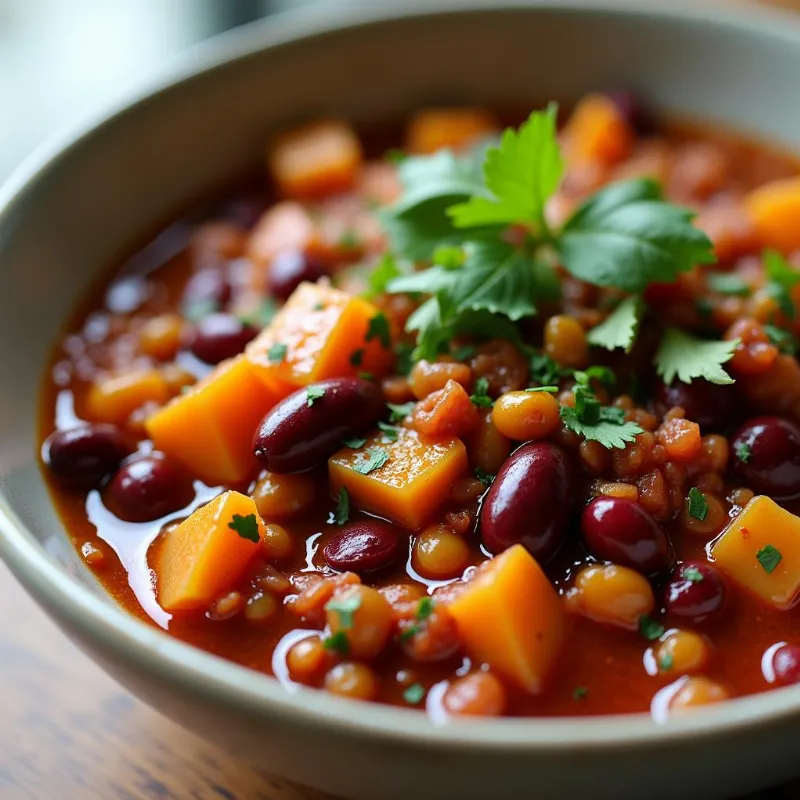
(786, 664)
(209, 286)
(148, 488)
(221, 336)
(363, 546)
(297, 435)
(621, 530)
(696, 591)
(530, 501)
(86, 455)
(708, 404)
(766, 456)
(289, 269)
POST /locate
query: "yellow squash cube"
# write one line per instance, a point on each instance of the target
(760, 550)
(412, 483)
(115, 397)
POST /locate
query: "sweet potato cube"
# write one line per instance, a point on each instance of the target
(285, 226)
(511, 618)
(324, 331)
(597, 131)
(209, 428)
(208, 552)
(760, 550)
(113, 398)
(774, 209)
(317, 159)
(435, 128)
(412, 483)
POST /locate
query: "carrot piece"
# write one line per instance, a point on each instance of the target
(434, 128)
(114, 398)
(209, 428)
(208, 552)
(774, 209)
(446, 412)
(317, 159)
(596, 131)
(760, 550)
(326, 333)
(412, 483)
(510, 617)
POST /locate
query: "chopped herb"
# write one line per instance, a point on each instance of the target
(464, 352)
(354, 442)
(665, 662)
(337, 643)
(484, 477)
(782, 278)
(366, 376)
(650, 628)
(698, 505)
(245, 526)
(277, 352)
(425, 607)
(704, 308)
(378, 328)
(409, 632)
(386, 270)
(546, 371)
(320, 306)
(687, 357)
(551, 389)
(314, 393)
(376, 458)
(480, 396)
(692, 574)
(619, 329)
(414, 693)
(605, 375)
(194, 312)
(260, 317)
(743, 451)
(729, 283)
(404, 357)
(399, 411)
(389, 431)
(342, 513)
(349, 240)
(395, 156)
(782, 339)
(769, 557)
(449, 257)
(356, 357)
(579, 692)
(345, 607)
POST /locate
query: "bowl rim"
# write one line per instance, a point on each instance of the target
(153, 650)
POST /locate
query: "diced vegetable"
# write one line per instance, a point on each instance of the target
(285, 226)
(405, 480)
(597, 131)
(208, 552)
(774, 209)
(435, 128)
(113, 398)
(327, 334)
(321, 158)
(760, 550)
(209, 428)
(511, 618)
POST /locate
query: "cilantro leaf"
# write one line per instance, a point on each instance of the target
(313, 393)
(579, 692)
(376, 457)
(769, 557)
(465, 352)
(549, 389)
(378, 328)
(649, 628)
(545, 371)
(345, 608)
(425, 607)
(687, 357)
(627, 236)
(356, 357)
(480, 396)
(337, 643)
(697, 504)
(342, 513)
(389, 431)
(486, 478)
(729, 283)
(432, 333)
(520, 175)
(277, 352)
(608, 431)
(743, 452)
(245, 526)
(619, 329)
(354, 442)
(385, 271)
(782, 278)
(692, 574)
(399, 411)
(414, 694)
(665, 662)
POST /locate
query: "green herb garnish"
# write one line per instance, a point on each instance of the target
(314, 393)
(354, 442)
(782, 339)
(345, 608)
(619, 329)
(399, 411)
(389, 431)
(728, 283)
(261, 316)
(579, 692)
(376, 458)
(743, 451)
(480, 396)
(692, 574)
(464, 352)
(414, 694)
(349, 240)
(486, 478)
(385, 271)
(781, 279)
(685, 356)
(277, 352)
(650, 628)
(342, 512)
(337, 643)
(245, 526)
(356, 357)
(550, 389)
(769, 557)
(378, 328)
(194, 312)
(665, 662)
(698, 505)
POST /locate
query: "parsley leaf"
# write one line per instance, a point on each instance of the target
(729, 283)
(782, 339)
(550, 389)
(399, 411)
(425, 607)
(342, 513)
(414, 693)
(403, 354)
(480, 396)
(376, 457)
(665, 662)
(782, 278)
(277, 352)
(769, 557)
(579, 692)
(743, 451)
(465, 352)
(356, 357)
(385, 271)
(345, 608)
(313, 393)
(378, 328)
(607, 430)
(337, 643)
(486, 478)
(698, 505)
(619, 329)
(627, 236)
(692, 574)
(245, 526)
(354, 442)
(688, 357)
(389, 431)
(545, 371)
(650, 628)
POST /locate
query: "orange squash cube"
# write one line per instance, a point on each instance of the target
(596, 131)
(320, 158)
(114, 398)
(412, 483)
(774, 209)
(760, 550)
(208, 552)
(435, 128)
(285, 226)
(511, 618)
(324, 331)
(209, 428)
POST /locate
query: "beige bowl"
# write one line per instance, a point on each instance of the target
(79, 203)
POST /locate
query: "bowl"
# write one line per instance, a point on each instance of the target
(81, 202)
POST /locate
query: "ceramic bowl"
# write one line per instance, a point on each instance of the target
(78, 204)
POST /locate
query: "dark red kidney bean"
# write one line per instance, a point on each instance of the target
(786, 664)
(623, 532)
(221, 336)
(710, 405)
(632, 109)
(766, 456)
(530, 501)
(363, 546)
(297, 435)
(289, 269)
(695, 591)
(86, 455)
(148, 488)
(208, 287)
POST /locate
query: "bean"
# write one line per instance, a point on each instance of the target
(786, 664)
(86, 455)
(697, 691)
(289, 269)
(696, 591)
(526, 416)
(363, 546)
(708, 404)
(367, 626)
(280, 497)
(530, 501)
(221, 336)
(683, 652)
(766, 456)
(612, 595)
(439, 553)
(148, 488)
(478, 695)
(298, 433)
(353, 680)
(622, 531)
